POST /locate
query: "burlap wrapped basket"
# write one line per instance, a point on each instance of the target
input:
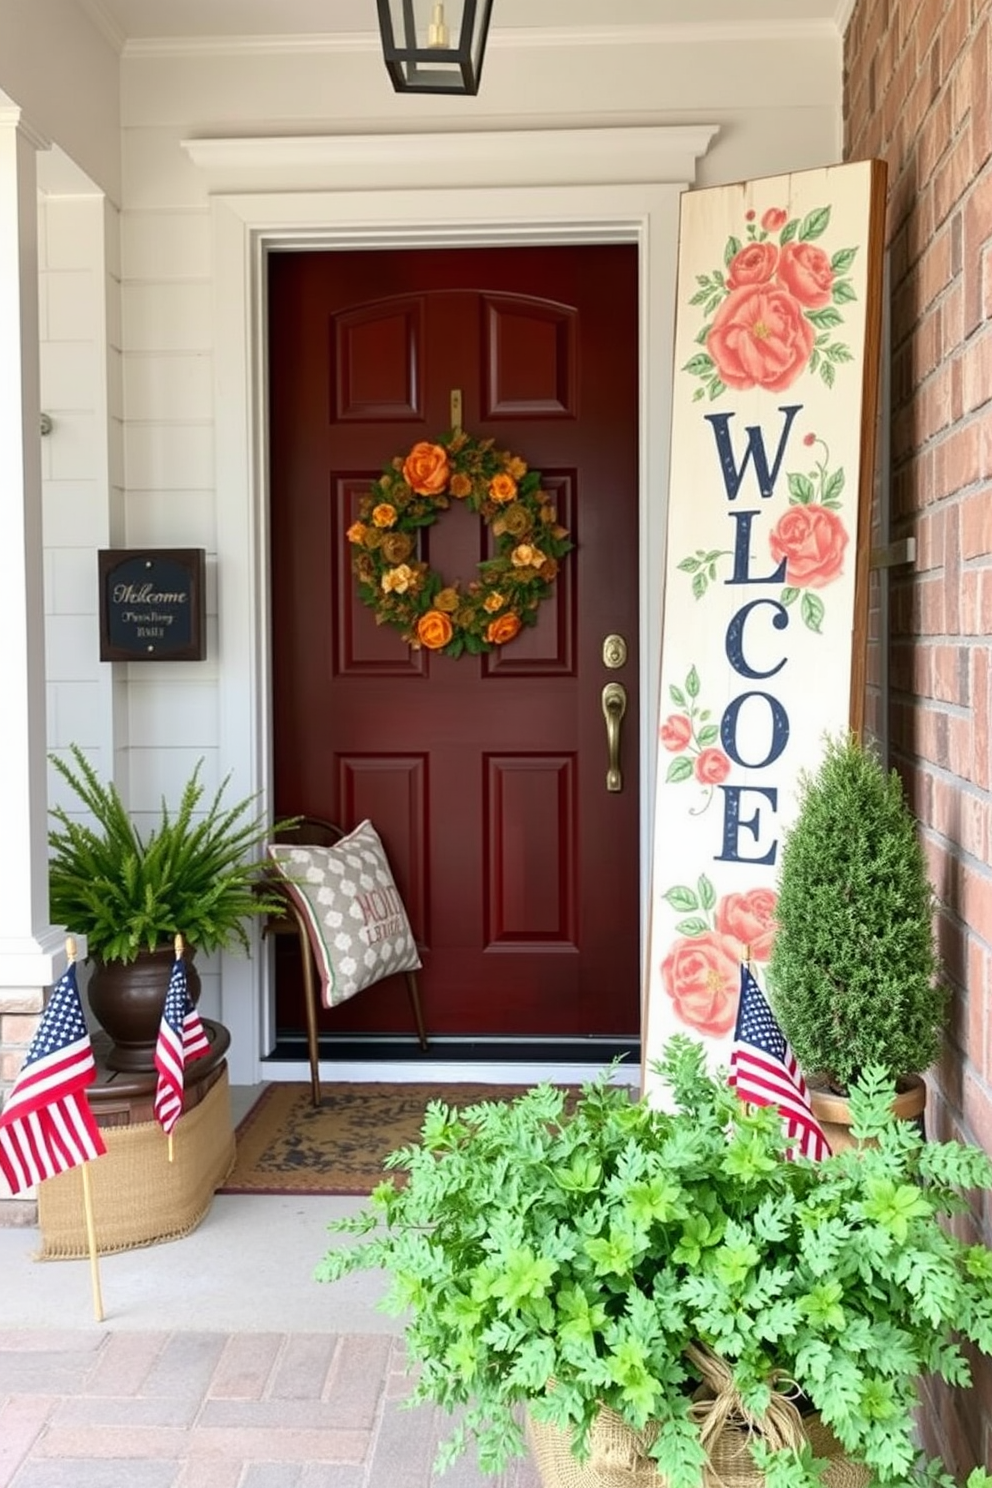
(619, 1456)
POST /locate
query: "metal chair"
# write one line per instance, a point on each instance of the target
(314, 831)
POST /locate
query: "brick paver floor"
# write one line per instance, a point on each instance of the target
(98, 1409)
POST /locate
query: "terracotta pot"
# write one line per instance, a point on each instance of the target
(833, 1112)
(127, 999)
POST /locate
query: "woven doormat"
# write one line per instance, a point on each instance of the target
(286, 1145)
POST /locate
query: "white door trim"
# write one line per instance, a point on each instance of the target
(247, 223)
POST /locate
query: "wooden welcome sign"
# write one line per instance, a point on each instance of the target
(766, 585)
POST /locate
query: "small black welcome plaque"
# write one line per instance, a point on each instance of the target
(152, 604)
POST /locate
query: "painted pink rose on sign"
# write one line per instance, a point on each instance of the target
(754, 264)
(812, 540)
(760, 338)
(711, 767)
(691, 736)
(701, 975)
(675, 732)
(805, 271)
(749, 919)
(772, 308)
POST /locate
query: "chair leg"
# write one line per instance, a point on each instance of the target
(310, 1007)
(411, 984)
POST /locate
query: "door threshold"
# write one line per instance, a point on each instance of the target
(456, 1061)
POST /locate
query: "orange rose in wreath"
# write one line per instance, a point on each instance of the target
(502, 629)
(502, 488)
(434, 630)
(426, 469)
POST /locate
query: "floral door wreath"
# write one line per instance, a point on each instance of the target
(411, 494)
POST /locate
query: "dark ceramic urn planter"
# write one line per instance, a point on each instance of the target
(127, 999)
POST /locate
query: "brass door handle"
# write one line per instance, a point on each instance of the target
(614, 707)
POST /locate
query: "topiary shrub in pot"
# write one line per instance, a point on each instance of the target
(196, 874)
(671, 1275)
(853, 976)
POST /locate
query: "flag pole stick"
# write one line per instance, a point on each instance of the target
(91, 1242)
(70, 951)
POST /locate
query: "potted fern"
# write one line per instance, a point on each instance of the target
(853, 975)
(665, 1288)
(196, 873)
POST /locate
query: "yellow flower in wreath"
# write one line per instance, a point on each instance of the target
(384, 515)
(526, 556)
(397, 580)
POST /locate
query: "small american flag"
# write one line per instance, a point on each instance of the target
(47, 1126)
(181, 1038)
(763, 1069)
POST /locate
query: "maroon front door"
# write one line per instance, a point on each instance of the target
(485, 776)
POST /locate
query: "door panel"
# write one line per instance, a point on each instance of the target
(486, 776)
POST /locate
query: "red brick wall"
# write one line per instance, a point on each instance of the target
(917, 77)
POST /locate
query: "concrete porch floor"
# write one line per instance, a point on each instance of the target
(220, 1363)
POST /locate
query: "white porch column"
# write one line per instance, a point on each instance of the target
(31, 950)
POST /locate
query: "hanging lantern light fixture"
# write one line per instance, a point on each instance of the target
(434, 46)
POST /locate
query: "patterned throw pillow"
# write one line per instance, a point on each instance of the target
(354, 915)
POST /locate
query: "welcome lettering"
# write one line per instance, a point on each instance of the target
(765, 705)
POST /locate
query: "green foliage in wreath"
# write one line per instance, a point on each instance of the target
(488, 610)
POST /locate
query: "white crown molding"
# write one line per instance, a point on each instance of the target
(637, 154)
(105, 24)
(662, 33)
(210, 46)
(520, 38)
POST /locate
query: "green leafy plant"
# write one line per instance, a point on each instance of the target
(567, 1258)
(853, 975)
(127, 892)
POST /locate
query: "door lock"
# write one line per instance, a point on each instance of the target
(614, 651)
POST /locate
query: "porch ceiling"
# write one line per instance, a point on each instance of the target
(145, 20)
